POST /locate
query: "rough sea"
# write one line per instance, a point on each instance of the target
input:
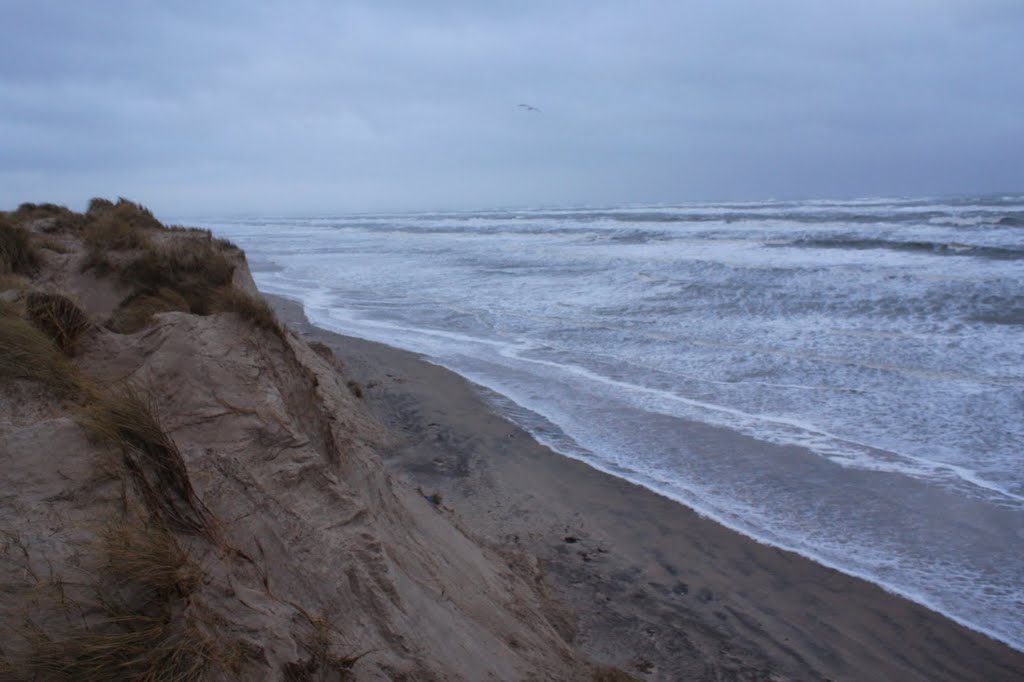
(840, 378)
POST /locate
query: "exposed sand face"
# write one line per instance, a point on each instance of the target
(656, 589)
(310, 560)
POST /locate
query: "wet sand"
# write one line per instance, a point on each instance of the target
(657, 589)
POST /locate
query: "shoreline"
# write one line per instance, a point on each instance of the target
(659, 589)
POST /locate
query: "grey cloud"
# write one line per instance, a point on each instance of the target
(318, 106)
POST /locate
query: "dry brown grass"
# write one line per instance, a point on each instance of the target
(28, 353)
(142, 632)
(322, 663)
(136, 311)
(58, 317)
(99, 206)
(120, 226)
(148, 557)
(127, 648)
(222, 244)
(124, 417)
(124, 226)
(51, 244)
(199, 231)
(11, 281)
(124, 211)
(187, 261)
(17, 252)
(252, 309)
(108, 233)
(29, 211)
(49, 217)
(193, 268)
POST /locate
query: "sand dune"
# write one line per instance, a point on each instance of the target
(203, 496)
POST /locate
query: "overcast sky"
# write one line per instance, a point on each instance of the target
(319, 106)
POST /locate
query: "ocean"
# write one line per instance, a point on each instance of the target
(844, 379)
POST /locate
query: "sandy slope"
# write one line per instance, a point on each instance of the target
(311, 561)
(657, 589)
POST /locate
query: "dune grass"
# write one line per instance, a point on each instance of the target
(30, 211)
(126, 647)
(49, 217)
(148, 557)
(252, 309)
(322, 663)
(26, 352)
(99, 206)
(141, 632)
(51, 244)
(226, 245)
(124, 417)
(193, 268)
(136, 311)
(109, 233)
(119, 227)
(164, 265)
(58, 317)
(11, 281)
(124, 226)
(17, 252)
(124, 211)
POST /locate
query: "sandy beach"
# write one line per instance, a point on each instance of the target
(657, 589)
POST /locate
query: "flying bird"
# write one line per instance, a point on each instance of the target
(527, 107)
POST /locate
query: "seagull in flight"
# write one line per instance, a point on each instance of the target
(527, 107)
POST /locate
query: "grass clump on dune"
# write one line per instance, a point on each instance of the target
(17, 252)
(124, 226)
(148, 556)
(28, 353)
(30, 211)
(51, 244)
(136, 311)
(252, 309)
(126, 212)
(98, 206)
(124, 417)
(58, 317)
(226, 245)
(127, 646)
(169, 265)
(115, 235)
(193, 268)
(12, 281)
(49, 217)
(119, 226)
(142, 632)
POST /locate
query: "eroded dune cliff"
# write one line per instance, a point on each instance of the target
(190, 491)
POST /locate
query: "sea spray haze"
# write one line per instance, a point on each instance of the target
(845, 379)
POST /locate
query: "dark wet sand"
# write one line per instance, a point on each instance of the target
(657, 589)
